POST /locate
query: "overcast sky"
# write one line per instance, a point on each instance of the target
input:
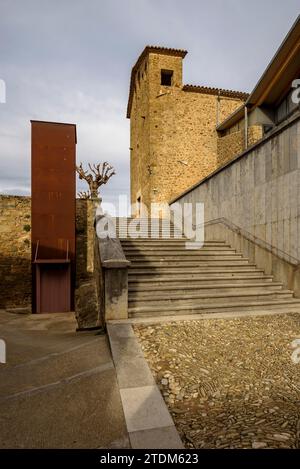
(70, 61)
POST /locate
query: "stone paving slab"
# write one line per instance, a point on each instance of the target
(122, 331)
(134, 373)
(125, 349)
(156, 438)
(58, 388)
(54, 367)
(148, 421)
(144, 408)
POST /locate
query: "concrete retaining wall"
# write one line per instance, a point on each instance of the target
(284, 268)
(259, 191)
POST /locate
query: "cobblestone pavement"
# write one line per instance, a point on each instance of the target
(228, 383)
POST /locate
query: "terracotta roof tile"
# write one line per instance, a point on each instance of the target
(193, 88)
(216, 91)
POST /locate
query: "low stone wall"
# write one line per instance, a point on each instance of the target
(255, 133)
(88, 308)
(233, 144)
(229, 146)
(102, 276)
(113, 273)
(15, 251)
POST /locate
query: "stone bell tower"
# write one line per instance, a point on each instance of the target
(173, 127)
(156, 75)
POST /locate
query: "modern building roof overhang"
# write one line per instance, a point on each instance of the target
(277, 78)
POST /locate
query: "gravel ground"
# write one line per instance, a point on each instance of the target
(228, 383)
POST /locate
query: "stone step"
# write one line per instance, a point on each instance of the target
(168, 242)
(149, 220)
(209, 271)
(135, 230)
(157, 253)
(207, 298)
(155, 281)
(165, 278)
(181, 264)
(172, 246)
(146, 238)
(148, 226)
(183, 256)
(141, 291)
(242, 306)
(174, 249)
(147, 231)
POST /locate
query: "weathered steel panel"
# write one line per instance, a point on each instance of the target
(53, 288)
(53, 201)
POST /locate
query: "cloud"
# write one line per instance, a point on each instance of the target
(71, 61)
(99, 118)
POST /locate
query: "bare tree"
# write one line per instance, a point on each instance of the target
(100, 174)
(84, 194)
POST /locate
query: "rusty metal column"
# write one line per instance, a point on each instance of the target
(53, 215)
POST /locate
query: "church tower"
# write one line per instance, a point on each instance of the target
(157, 73)
(173, 134)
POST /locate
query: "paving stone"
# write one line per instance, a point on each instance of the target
(134, 373)
(228, 383)
(125, 349)
(119, 331)
(144, 408)
(156, 438)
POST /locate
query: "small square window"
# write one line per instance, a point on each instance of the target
(166, 77)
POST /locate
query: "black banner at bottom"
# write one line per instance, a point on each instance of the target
(133, 458)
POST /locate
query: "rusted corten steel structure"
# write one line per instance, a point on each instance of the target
(53, 183)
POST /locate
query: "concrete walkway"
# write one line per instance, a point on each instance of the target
(58, 388)
(148, 421)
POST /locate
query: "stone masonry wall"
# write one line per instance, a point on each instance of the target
(255, 133)
(87, 305)
(233, 144)
(15, 251)
(139, 137)
(173, 132)
(15, 248)
(184, 140)
(229, 146)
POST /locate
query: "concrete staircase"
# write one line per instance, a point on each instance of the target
(166, 279)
